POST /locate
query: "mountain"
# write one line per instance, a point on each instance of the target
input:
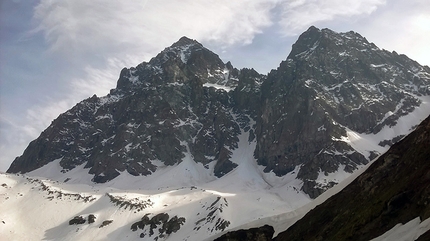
(313, 113)
(333, 104)
(194, 144)
(159, 111)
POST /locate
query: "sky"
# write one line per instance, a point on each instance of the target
(55, 53)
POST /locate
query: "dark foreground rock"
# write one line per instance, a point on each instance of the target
(264, 233)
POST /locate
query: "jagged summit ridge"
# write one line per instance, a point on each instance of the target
(187, 105)
(181, 49)
(178, 63)
(326, 39)
(185, 41)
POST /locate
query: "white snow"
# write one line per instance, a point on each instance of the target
(283, 221)
(218, 87)
(377, 65)
(305, 54)
(184, 53)
(334, 87)
(365, 143)
(309, 82)
(337, 176)
(409, 231)
(175, 84)
(344, 54)
(133, 79)
(322, 128)
(109, 99)
(106, 116)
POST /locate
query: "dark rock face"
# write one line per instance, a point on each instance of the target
(77, 220)
(105, 223)
(91, 218)
(186, 102)
(264, 233)
(159, 223)
(394, 189)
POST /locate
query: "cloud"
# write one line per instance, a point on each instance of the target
(298, 15)
(80, 26)
(12, 141)
(97, 81)
(403, 27)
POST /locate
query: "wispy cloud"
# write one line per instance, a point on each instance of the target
(403, 26)
(298, 15)
(119, 26)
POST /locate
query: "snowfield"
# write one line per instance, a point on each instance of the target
(40, 208)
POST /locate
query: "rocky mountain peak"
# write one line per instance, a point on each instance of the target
(180, 50)
(185, 41)
(330, 85)
(305, 41)
(184, 59)
(316, 41)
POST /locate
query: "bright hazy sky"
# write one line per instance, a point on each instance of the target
(55, 53)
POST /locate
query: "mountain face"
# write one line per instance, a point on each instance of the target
(333, 105)
(330, 86)
(158, 111)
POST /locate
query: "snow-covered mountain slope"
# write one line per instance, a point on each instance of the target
(208, 204)
(27, 207)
